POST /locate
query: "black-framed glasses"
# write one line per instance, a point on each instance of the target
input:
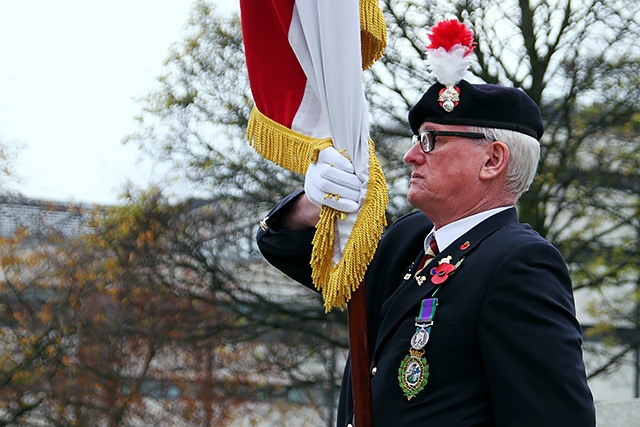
(427, 138)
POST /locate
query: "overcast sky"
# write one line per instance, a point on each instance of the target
(70, 71)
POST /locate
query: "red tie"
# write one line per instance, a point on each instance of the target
(432, 252)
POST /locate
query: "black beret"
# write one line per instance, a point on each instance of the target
(484, 105)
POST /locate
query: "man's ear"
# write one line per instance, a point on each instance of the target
(496, 160)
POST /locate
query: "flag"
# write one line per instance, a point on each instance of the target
(305, 60)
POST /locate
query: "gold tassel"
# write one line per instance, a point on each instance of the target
(373, 32)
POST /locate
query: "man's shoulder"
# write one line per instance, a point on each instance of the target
(520, 237)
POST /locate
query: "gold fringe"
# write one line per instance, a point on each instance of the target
(337, 283)
(287, 148)
(373, 32)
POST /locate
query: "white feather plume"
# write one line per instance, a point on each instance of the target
(449, 67)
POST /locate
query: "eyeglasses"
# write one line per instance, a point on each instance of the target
(427, 138)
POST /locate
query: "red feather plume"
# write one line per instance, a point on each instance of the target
(449, 33)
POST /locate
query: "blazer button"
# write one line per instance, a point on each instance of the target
(373, 371)
(349, 425)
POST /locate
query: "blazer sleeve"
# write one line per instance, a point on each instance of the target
(531, 342)
(287, 250)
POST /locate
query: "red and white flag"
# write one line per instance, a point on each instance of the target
(305, 60)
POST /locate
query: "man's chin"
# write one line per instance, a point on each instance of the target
(412, 198)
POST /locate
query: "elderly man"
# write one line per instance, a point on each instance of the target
(470, 313)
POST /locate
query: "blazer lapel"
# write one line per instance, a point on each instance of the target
(409, 294)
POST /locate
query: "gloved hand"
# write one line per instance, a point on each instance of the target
(332, 181)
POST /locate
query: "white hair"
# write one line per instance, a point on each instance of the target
(524, 155)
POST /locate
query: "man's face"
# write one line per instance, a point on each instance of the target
(445, 182)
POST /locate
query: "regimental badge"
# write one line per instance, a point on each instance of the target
(449, 97)
(413, 373)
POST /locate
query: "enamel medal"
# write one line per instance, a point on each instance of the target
(413, 373)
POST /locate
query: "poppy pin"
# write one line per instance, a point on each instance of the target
(444, 269)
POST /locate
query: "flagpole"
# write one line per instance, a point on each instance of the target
(359, 348)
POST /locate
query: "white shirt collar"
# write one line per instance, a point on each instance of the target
(451, 232)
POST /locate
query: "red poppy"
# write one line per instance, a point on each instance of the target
(464, 246)
(441, 273)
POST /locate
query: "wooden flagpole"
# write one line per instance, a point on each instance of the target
(359, 348)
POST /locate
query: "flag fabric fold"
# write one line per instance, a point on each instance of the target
(305, 60)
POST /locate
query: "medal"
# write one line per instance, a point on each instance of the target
(420, 338)
(413, 373)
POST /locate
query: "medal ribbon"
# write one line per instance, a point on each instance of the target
(427, 311)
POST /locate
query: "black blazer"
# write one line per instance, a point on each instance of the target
(505, 347)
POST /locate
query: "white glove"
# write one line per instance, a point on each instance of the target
(332, 181)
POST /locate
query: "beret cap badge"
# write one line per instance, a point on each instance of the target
(449, 97)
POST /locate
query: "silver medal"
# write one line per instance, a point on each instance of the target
(419, 339)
